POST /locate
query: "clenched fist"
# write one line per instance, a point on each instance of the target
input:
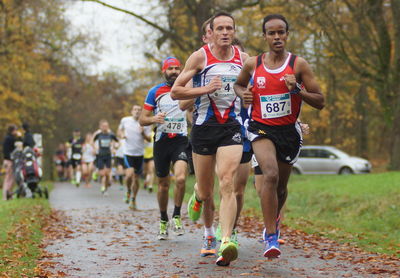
(214, 84)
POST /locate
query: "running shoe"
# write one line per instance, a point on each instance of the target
(94, 176)
(194, 208)
(234, 238)
(163, 233)
(227, 253)
(127, 197)
(150, 188)
(271, 249)
(132, 204)
(178, 227)
(218, 233)
(103, 189)
(278, 231)
(209, 247)
(73, 181)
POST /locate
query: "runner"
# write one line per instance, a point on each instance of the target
(170, 144)
(135, 136)
(88, 158)
(104, 142)
(148, 160)
(216, 134)
(61, 162)
(75, 149)
(273, 129)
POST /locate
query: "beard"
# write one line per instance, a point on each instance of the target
(171, 78)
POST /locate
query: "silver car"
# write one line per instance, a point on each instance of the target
(329, 160)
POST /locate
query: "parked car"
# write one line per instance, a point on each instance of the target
(329, 160)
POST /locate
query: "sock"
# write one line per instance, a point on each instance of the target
(197, 198)
(121, 179)
(209, 231)
(78, 176)
(164, 216)
(177, 211)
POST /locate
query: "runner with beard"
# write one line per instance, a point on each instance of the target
(170, 144)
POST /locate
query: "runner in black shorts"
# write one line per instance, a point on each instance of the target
(215, 68)
(75, 145)
(170, 144)
(104, 143)
(135, 136)
(282, 81)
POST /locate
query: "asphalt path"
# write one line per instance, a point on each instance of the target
(109, 240)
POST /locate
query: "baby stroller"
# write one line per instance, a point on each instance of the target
(28, 174)
(18, 164)
(32, 174)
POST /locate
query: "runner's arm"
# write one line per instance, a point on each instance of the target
(193, 66)
(242, 82)
(311, 93)
(147, 118)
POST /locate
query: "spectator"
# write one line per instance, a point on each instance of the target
(28, 137)
(8, 147)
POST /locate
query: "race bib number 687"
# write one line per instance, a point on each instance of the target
(275, 106)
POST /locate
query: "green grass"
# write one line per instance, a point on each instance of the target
(21, 222)
(363, 209)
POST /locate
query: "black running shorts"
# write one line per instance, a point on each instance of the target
(287, 139)
(104, 161)
(207, 139)
(135, 162)
(169, 150)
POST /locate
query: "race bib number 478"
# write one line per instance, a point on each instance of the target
(275, 106)
(174, 125)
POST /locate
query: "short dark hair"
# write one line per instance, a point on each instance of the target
(204, 26)
(11, 128)
(218, 14)
(274, 16)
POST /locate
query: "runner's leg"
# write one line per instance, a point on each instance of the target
(265, 153)
(228, 159)
(241, 177)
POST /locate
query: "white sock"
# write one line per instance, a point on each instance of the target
(209, 231)
(78, 176)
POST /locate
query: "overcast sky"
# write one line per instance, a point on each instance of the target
(121, 35)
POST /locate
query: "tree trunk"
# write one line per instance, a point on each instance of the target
(395, 146)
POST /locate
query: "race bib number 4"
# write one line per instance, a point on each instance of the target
(174, 125)
(227, 87)
(275, 106)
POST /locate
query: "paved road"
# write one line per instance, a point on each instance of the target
(108, 240)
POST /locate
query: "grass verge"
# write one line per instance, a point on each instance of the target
(362, 209)
(21, 223)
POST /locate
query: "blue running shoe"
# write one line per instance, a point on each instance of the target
(209, 247)
(271, 246)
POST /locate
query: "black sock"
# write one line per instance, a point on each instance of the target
(177, 211)
(164, 216)
(121, 179)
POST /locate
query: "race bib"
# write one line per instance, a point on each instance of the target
(105, 143)
(227, 87)
(275, 106)
(76, 156)
(174, 125)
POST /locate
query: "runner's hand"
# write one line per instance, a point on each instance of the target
(290, 81)
(214, 84)
(305, 128)
(159, 118)
(248, 96)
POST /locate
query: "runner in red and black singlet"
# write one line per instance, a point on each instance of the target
(281, 81)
